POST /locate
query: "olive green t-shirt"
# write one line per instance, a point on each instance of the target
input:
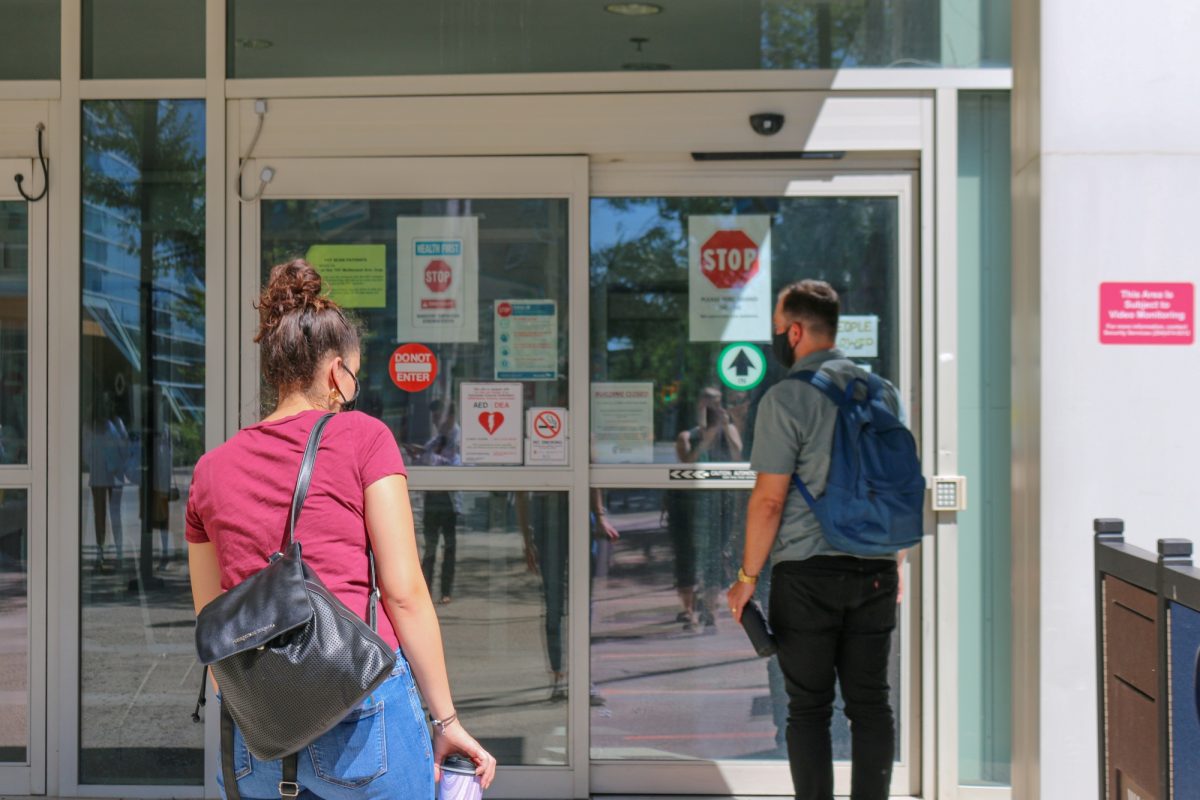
(793, 432)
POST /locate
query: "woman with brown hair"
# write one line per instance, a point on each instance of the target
(238, 509)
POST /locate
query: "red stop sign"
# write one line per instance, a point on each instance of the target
(438, 275)
(729, 259)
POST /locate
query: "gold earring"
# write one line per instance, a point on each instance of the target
(333, 397)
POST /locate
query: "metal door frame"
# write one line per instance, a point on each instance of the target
(892, 177)
(450, 178)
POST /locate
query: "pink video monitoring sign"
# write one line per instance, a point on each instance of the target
(1147, 313)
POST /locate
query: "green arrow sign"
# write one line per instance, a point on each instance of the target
(741, 366)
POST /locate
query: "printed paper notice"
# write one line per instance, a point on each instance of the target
(858, 336)
(439, 279)
(353, 275)
(623, 423)
(1147, 313)
(546, 437)
(526, 346)
(729, 278)
(491, 422)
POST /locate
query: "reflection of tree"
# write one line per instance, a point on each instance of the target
(143, 177)
(829, 34)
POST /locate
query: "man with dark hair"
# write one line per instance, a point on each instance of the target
(832, 613)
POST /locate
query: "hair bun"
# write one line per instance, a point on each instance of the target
(293, 287)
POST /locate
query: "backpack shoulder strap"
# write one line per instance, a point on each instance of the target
(304, 477)
(821, 382)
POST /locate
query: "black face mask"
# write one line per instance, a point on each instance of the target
(784, 353)
(348, 405)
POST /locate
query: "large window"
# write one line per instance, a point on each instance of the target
(643, 321)
(375, 37)
(142, 414)
(451, 308)
(497, 567)
(675, 677)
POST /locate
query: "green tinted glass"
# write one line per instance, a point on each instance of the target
(374, 37)
(985, 423)
(143, 39)
(32, 41)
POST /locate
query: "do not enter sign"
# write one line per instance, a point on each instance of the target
(413, 367)
(729, 258)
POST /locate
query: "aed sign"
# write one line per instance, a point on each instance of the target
(1147, 313)
(491, 417)
(413, 367)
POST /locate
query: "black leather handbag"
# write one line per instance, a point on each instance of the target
(291, 659)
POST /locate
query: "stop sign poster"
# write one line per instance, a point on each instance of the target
(439, 279)
(729, 278)
(492, 419)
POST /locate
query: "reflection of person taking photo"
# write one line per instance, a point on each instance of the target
(700, 520)
(715, 437)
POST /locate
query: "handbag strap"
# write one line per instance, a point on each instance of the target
(303, 479)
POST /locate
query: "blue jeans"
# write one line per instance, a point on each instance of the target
(380, 750)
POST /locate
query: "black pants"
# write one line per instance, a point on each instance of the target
(440, 521)
(833, 618)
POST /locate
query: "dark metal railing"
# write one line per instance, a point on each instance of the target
(1147, 613)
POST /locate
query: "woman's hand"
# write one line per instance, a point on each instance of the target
(455, 739)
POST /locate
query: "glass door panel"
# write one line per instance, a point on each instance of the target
(472, 265)
(676, 678)
(22, 488)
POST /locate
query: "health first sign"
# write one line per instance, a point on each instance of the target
(1147, 313)
(729, 278)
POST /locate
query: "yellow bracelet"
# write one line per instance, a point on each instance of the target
(744, 578)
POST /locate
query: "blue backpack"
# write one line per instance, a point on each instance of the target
(874, 500)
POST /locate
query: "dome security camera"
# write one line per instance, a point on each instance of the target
(766, 124)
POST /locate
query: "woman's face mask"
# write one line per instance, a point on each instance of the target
(348, 405)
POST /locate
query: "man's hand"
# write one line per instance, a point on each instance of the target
(739, 594)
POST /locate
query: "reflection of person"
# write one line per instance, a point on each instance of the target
(442, 509)
(239, 503)
(544, 542)
(162, 484)
(107, 447)
(704, 518)
(545, 547)
(832, 613)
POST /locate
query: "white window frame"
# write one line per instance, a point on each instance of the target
(30, 777)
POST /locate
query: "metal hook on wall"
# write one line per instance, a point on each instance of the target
(20, 179)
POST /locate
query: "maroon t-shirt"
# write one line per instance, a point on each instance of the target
(242, 491)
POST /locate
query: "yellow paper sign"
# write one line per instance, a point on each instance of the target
(354, 275)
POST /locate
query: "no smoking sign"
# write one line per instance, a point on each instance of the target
(547, 442)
